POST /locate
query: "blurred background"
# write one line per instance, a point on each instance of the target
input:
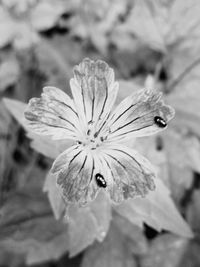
(151, 43)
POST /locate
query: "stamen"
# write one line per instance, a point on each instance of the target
(90, 122)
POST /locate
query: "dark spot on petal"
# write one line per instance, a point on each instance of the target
(160, 122)
(100, 180)
(90, 122)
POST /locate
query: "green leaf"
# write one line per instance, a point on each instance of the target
(83, 229)
(45, 14)
(87, 224)
(101, 209)
(7, 28)
(193, 211)
(141, 23)
(183, 150)
(134, 234)
(9, 73)
(54, 195)
(185, 99)
(115, 251)
(6, 149)
(165, 250)
(28, 228)
(158, 210)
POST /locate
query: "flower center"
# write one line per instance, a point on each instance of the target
(92, 139)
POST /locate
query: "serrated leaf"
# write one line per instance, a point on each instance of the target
(101, 209)
(141, 23)
(134, 234)
(54, 195)
(6, 28)
(185, 99)
(83, 228)
(45, 14)
(28, 228)
(87, 224)
(113, 252)
(165, 250)
(158, 210)
(9, 73)
(182, 150)
(193, 211)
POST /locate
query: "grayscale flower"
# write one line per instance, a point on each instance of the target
(99, 157)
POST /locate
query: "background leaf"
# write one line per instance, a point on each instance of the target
(114, 251)
(24, 220)
(157, 210)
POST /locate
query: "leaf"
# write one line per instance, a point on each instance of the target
(82, 229)
(183, 150)
(126, 88)
(185, 100)
(9, 73)
(54, 195)
(193, 211)
(175, 158)
(45, 14)
(113, 252)
(16, 108)
(141, 23)
(6, 28)
(101, 209)
(44, 145)
(157, 210)
(165, 250)
(28, 228)
(87, 224)
(7, 143)
(134, 234)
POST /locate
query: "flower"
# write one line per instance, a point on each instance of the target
(98, 158)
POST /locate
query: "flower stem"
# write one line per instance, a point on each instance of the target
(181, 76)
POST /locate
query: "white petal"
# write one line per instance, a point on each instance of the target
(135, 116)
(53, 114)
(130, 174)
(76, 169)
(94, 91)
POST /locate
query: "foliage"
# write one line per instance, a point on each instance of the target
(148, 43)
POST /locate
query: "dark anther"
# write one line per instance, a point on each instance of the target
(160, 122)
(100, 180)
(96, 134)
(101, 138)
(90, 122)
(79, 142)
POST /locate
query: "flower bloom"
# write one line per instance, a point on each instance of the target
(98, 158)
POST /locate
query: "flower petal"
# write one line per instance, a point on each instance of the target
(143, 113)
(129, 174)
(75, 170)
(94, 90)
(53, 114)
